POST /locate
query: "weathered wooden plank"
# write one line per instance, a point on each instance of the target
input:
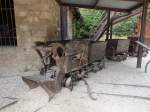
(142, 35)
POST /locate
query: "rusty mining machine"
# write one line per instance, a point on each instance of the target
(66, 62)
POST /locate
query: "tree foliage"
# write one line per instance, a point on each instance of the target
(125, 28)
(91, 19)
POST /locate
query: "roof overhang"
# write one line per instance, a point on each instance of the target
(114, 5)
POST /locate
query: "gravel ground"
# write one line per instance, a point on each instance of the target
(11, 88)
(120, 87)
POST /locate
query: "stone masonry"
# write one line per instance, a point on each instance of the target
(36, 20)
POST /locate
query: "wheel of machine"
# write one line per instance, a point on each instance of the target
(71, 81)
(68, 82)
(42, 71)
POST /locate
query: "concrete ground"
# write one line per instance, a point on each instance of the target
(120, 87)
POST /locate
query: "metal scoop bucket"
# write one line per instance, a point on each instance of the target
(51, 82)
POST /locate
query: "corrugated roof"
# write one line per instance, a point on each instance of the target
(116, 5)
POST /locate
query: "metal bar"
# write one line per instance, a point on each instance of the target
(146, 67)
(143, 45)
(142, 34)
(148, 48)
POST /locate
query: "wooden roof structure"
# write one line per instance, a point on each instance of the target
(113, 5)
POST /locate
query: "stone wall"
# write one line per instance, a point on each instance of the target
(36, 20)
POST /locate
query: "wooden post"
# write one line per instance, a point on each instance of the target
(108, 22)
(142, 34)
(111, 27)
(63, 22)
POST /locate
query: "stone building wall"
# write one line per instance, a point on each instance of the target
(36, 20)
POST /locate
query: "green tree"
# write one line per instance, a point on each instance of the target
(91, 19)
(125, 28)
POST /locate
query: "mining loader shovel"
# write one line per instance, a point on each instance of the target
(51, 82)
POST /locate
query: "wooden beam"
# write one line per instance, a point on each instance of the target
(102, 29)
(124, 17)
(108, 22)
(136, 7)
(63, 22)
(111, 28)
(116, 19)
(97, 7)
(96, 2)
(142, 34)
(141, 1)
